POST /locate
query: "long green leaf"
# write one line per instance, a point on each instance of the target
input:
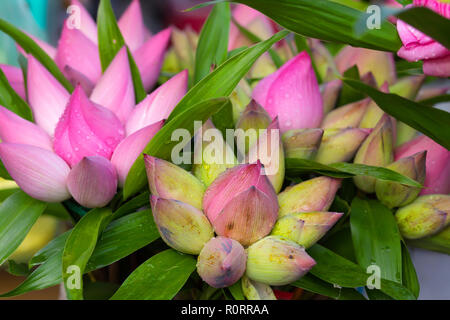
(79, 247)
(159, 278)
(431, 122)
(409, 274)
(18, 213)
(12, 101)
(236, 291)
(376, 238)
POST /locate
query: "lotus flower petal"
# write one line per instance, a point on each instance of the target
(159, 104)
(292, 93)
(92, 182)
(87, 24)
(86, 129)
(132, 26)
(47, 97)
(77, 78)
(131, 147)
(115, 90)
(38, 172)
(14, 75)
(439, 67)
(150, 56)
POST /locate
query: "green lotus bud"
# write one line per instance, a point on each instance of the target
(439, 242)
(182, 226)
(305, 228)
(240, 98)
(277, 261)
(394, 194)
(254, 290)
(376, 150)
(340, 145)
(308, 196)
(323, 60)
(372, 116)
(184, 43)
(330, 93)
(346, 116)
(424, 217)
(302, 143)
(263, 67)
(212, 154)
(252, 120)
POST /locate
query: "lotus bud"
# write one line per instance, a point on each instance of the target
(430, 92)
(292, 93)
(340, 145)
(241, 204)
(369, 79)
(424, 217)
(77, 78)
(252, 120)
(169, 181)
(380, 63)
(14, 75)
(263, 67)
(302, 143)
(373, 112)
(277, 261)
(330, 93)
(184, 44)
(305, 228)
(39, 172)
(87, 24)
(394, 194)
(269, 150)
(86, 129)
(312, 195)
(346, 116)
(182, 226)
(212, 154)
(221, 262)
(376, 150)
(254, 290)
(92, 182)
(439, 242)
(132, 27)
(240, 98)
(323, 60)
(437, 164)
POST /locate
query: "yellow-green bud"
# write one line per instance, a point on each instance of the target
(254, 290)
(240, 98)
(346, 116)
(439, 242)
(302, 143)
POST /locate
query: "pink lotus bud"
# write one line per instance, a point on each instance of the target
(87, 24)
(169, 181)
(346, 116)
(241, 204)
(302, 143)
(14, 129)
(132, 26)
(376, 150)
(47, 97)
(150, 56)
(277, 261)
(38, 172)
(14, 75)
(312, 195)
(86, 129)
(78, 52)
(159, 104)
(254, 290)
(292, 94)
(221, 262)
(182, 226)
(330, 93)
(92, 182)
(340, 145)
(380, 63)
(130, 148)
(437, 164)
(77, 78)
(115, 90)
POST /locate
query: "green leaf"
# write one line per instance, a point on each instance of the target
(209, 51)
(222, 81)
(18, 269)
(348, 94)
(367, 219)
(409, 274)
(159, 278)
(133, 205)
(161, 145)
(52, 248)
(431, 122)
(346, 170)
(236, 291)
(12, 101)
(79, 247)
(27, 44)
(139, 91)
(18, 213)
(327, 21)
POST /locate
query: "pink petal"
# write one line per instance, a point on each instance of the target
(47, 97)
(14, 76)
(418, 52)
(14, 129)
(78, 52)
(92, 182)
(437, 67)
(159, 104)
(149, 57)
(87, 24)
(131, 147)
(115, 90)
(38, 172)
(77, 78)
(86, 129)
(48, 49)
(132, 26)
(292, 93)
